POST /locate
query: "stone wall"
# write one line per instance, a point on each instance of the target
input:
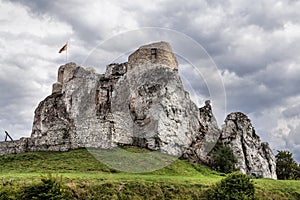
(13, 147)
(32, 145)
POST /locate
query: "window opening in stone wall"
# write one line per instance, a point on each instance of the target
(154, 53)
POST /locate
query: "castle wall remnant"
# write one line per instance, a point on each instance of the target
(159, 53)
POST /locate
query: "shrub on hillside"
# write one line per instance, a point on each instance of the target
(49, 188)
(236, 186)
(9, 190)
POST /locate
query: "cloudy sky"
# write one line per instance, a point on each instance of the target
(255, 47)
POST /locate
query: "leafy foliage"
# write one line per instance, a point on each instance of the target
(224, 159)
(49, 188)
(286, 166)
(235, 186)
(9, 190)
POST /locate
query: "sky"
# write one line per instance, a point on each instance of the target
(254, 45)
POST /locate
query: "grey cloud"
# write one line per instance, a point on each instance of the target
(292, 112)
(77, 13)
(63, 11)
(17, 105)
(293, 142)
(278, 13)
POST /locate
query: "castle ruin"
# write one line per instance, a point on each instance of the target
(143, 103)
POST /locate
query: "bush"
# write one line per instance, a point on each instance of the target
(9, 190)
(224, 159)
(235, 186)
(50, 187)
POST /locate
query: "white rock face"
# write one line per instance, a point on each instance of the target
(71, 112)
(158, 113)
(254, 158)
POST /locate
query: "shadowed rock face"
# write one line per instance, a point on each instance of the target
(141, 102)
(204, 142)
(254, 157)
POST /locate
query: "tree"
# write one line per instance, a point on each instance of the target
(224, 159)
(297, 172)
(286, 167)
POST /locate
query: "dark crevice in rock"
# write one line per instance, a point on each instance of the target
(265, 147)
(139, 142)
(244, 148)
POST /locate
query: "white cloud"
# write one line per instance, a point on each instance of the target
(28, 64)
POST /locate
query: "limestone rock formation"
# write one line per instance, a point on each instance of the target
(254, 158)
(203, 143)
(141, 102)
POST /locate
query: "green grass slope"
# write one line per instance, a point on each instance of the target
(87, 178)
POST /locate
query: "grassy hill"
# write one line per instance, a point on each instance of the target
(84, 177)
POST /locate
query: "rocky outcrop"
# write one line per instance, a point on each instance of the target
(254, 158)
(141, 102)
(203, 143)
